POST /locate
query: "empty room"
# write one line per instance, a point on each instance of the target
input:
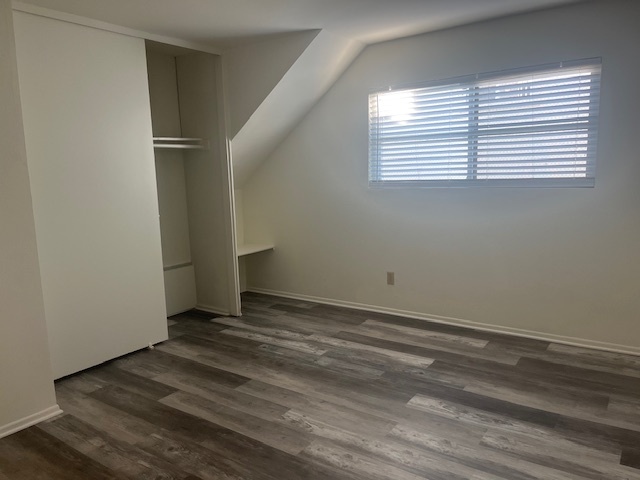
(319, 239)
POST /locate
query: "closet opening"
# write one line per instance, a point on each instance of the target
(194, 180)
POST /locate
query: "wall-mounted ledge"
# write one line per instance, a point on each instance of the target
(252, 248)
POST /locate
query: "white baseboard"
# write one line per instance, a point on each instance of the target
(485, 327)
(210, 309)
(30, 420)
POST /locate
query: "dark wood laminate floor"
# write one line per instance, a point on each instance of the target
(296, 390)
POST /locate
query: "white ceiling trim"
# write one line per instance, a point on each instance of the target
(109, 27)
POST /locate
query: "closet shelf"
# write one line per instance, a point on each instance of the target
(181, 142)
(252, 248)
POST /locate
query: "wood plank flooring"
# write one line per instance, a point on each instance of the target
(296, 390)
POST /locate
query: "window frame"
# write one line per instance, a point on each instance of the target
(473, 83)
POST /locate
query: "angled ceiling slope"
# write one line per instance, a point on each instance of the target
(269, 90)
(253, 71)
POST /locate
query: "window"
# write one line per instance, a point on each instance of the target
(526, 127)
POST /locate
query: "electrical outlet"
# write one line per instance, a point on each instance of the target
(391, 278)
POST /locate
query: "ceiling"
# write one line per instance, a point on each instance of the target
(228, 23)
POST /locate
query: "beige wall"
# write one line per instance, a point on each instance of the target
(26, 382)
(549, 261)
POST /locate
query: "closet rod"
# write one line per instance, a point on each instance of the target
(180, 142)
(176, 139)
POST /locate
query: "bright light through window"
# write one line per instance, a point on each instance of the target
(397, 106)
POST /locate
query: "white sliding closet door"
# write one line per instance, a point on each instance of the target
(88, 130)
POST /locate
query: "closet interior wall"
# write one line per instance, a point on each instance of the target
(194, 184)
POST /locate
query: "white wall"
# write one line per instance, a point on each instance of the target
(26, 381)
(550, 261)
(87, 122)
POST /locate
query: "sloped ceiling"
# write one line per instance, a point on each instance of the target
(227, 23)
(254, 70)
(306, 79)
(281, 56)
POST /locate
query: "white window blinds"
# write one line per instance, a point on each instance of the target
(526, 127)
